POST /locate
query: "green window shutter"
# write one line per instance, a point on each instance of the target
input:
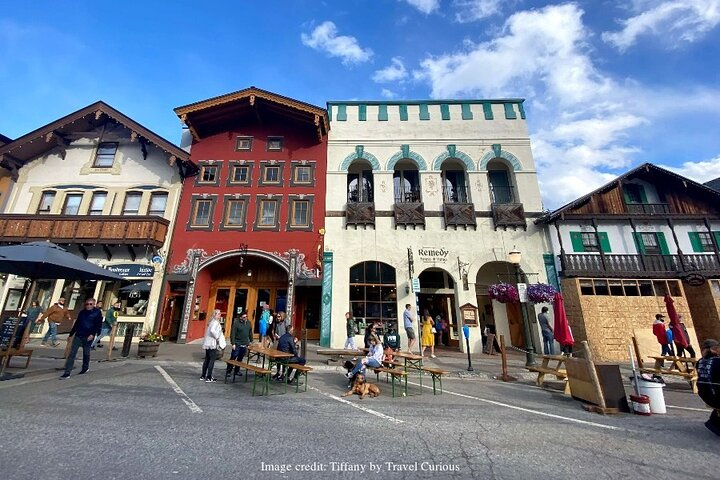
(662, 243)
(639, 243)
(717, 237)
(550, 270)
(577, 243)
(403, 113)
(643, 197)
(695, 242)
(445, 111)
(604, 242)
(466, 112)
(382, 113)
(424, 113)
(487, 111)
(521, 107)
(626, 196)
(342, 113)
(362, 113)
(510, 111)
(329, 110)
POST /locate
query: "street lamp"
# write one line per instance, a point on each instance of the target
(514, 257)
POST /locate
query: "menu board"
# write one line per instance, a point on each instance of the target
(7, 331)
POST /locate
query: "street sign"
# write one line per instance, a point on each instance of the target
(522, 292)
(416, 285)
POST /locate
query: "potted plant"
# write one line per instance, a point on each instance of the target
(149, 344)
(503, 292)
(541, 293)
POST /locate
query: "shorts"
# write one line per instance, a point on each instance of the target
(263, 330)
(410, 333)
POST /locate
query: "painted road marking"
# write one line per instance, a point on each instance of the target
(183, 396)
(359, 407)
(704, 410)
(527, 410)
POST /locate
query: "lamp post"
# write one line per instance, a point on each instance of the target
(514, 257)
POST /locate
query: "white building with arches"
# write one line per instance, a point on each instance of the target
(437, 190)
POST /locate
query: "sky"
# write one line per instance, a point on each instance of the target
(609, 84)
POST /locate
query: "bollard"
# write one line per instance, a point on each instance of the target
(129, 332)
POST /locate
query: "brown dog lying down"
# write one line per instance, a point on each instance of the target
(362, 388)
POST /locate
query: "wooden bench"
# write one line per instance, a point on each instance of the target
(545, 369)
(17, 352)
(676, 362)
(262, 373)
(436, 374)
(302, 371)
(395, 373)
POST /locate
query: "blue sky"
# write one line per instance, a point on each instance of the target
(609, 84)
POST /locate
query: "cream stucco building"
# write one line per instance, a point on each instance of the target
(439, 191)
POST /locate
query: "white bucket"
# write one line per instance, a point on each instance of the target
(654, 391)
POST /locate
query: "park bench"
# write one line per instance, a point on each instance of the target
(262, 373)
(678, 366)
(558, 371)
(436, 374)
(302, 371)
(396, 374)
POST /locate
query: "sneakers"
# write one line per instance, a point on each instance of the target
(210, 380)
(99, 345)
(202, 378)
(64, 376)
(84, 371)
(56, 344)
(348, 375)
(43, 344)
(433, 356)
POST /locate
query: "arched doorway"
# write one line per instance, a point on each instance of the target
(499, 318)
(437, 296)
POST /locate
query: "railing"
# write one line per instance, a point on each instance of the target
(84, 229)
(409, 214)
(459, 215)
(502, 195)
(362, 195)
(360, 213)
(403, 195)
(508, 215)
(633, 265)
(647, 208)
(456, 194)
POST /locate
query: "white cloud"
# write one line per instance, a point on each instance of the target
(675, 21)
(392, 73)
(472, 10)
(425, 6)
(702, 171)
(325, 38)
(387, 93)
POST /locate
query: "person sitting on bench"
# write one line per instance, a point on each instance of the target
(708, 383)
(373, 359)
(391, 342)
(286, 343)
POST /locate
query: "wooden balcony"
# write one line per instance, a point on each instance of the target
(508, 215)
(638, 266)
(360, 213)
(647, 208)
(409, 214)
(105, 230)
(459, 215)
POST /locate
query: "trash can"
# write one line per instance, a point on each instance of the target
(654, 391)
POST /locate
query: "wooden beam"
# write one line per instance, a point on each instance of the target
(108, 253)
(131, 251)
(83, 250)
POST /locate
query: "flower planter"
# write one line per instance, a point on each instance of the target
(148, 349)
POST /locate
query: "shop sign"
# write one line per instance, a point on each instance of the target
(132, 270)
(433, 254)
(522, 292)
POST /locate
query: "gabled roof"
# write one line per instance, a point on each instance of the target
(714, 184)
(217, 114)
(4, 139)
(54, 135)
(644, 168)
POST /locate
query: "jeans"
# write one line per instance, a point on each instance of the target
(209, 363)
(51, 333)
(371, 363)
(78, 342)
(350, 343)
(104, 331)
(667, 350)
(548, 343)
(681, 350)
(238, 353)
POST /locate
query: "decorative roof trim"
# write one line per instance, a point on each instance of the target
(452, 152)
(497, 152)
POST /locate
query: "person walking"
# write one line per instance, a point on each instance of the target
(211, 342)
(240, 338)
(427, 338)
(547, 331)
(408, 322)
(282, 324)
(708, 382)
(658, 329)
(680, 348)
(33, 316)
(264, 326)
(83, 332)
(55, 315)
(438, 330)
(287, 344)
(350, 331)
(670, 336)
(109, 320)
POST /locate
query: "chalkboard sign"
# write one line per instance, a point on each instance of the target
(7, 332)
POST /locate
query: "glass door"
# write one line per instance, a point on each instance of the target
(222, 297)
(237, 307)
(263, 297)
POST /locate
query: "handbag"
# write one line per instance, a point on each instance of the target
(433, 330)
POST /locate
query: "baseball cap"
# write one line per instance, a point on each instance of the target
(710, 343)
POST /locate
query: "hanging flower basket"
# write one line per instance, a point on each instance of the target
(503, 292)
(541, 293)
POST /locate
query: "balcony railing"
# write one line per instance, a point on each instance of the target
(647, 208)
(403, 195)
(360, 213)
(508, 215)
(504, 194)
(455, 194)
(633, 265)
(459, 215)
(84, 229)
(407, 213)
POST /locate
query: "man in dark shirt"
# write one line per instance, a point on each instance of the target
(240, 338)
(708, 382)
(286, 344)
(83, 332)
(547, 332)
(391, 339)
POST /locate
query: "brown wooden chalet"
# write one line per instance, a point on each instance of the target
(83, 231)
(677, 200)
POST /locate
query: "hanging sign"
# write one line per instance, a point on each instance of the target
(433, 254)
(522, 292)
(132, 270)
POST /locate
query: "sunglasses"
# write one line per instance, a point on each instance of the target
(89, 304)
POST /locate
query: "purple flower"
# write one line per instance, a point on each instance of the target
(503, 292)
(541, 293)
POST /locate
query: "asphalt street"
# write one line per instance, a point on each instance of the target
(145, 419)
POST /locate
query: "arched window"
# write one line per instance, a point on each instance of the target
(454, 181)
(406, 182)
(500, 180)
(373, 292)
(360, 182)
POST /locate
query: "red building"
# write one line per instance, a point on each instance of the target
(250, 224)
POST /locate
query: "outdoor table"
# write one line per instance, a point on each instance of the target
(339, 352)
(681, 364)
(412, 361)
(273, 356)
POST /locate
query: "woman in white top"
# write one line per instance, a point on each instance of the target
(213, 340)
(373, 359)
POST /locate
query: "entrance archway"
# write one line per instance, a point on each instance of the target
(499, 318)
(437, 296)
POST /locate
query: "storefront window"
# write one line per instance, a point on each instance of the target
(373, 294)
(133, 295)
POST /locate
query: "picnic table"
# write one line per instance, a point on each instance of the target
(557, 369)
(679, 366)
(273, 356)
(340, 352)
(411, 361)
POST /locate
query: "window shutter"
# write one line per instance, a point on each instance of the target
(604, 242)
(662, 243)
(717, 237)
(403, 113)
(577, 243)
(695, 241)
(639, 245)
(626, 196)
(643, 196)
(362, 113)
(382, 113)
